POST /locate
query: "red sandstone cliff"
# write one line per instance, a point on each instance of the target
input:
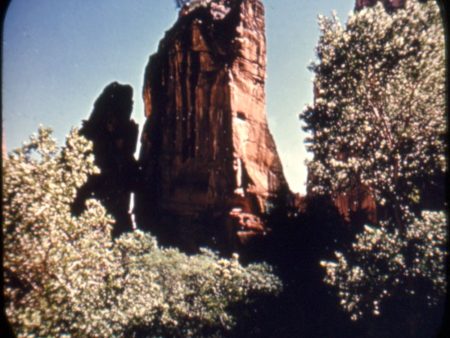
(209, 163)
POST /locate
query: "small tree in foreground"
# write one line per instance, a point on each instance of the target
(64, 275)
(378, 120)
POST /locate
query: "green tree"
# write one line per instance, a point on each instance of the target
(64, 275)
(378, 120)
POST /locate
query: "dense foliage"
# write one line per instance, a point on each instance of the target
(378, 121)
(380, 264)
(64, 275)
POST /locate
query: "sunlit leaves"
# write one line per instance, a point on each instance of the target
(379, 108)
(380, 264)
(54, 263)
(64, 275)
(378, 120)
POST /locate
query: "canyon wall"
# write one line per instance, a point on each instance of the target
(209, 164)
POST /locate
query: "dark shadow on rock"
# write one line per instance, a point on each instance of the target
(114, 136)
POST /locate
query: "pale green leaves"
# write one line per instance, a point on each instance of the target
(379, 93)
(378, 120)
(380, 264)
(65, 276)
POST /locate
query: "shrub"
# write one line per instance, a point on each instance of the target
(64, 275)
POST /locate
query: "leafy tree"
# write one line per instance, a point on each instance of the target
(378, 120)
(64, 275)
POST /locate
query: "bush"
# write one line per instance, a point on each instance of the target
(382, 263)
(64, 275)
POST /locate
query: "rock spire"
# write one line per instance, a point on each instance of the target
(209, 163)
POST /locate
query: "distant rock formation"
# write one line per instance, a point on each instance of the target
(388, 4)
(114, 137)
(354, 207)
(357, 206)
(209, 163)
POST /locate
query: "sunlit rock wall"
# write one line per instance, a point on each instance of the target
(209, 163)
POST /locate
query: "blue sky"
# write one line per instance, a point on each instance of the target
(58, 55)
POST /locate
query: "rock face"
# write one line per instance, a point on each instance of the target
(357, 206)
(114, 137)
(209, 163)
(354, 207)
